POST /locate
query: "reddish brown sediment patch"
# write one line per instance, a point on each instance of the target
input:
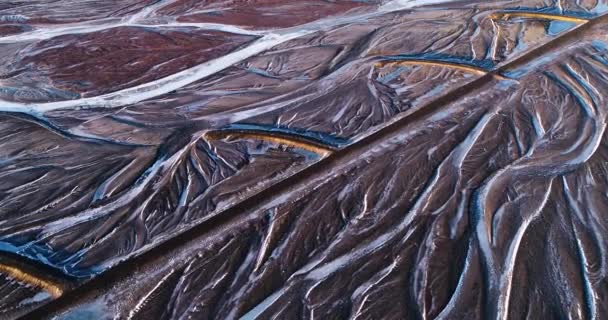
(110, 60)
(10, 29)
(259, 14)
(67, 11)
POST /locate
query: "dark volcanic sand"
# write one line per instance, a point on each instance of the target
(267, 159)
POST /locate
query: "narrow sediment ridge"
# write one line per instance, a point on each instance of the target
(506, 15)
(272, 137)
(437, 63)
(33, 274)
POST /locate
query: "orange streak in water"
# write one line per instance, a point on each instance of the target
(450, 65)
(278, 138)
(17, 274)
(535, 15)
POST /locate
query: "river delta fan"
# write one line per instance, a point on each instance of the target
(272, 159)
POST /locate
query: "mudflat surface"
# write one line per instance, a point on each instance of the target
(266, 159)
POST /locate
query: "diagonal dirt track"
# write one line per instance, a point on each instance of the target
(315, 172)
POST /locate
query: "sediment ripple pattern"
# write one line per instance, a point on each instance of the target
(477, 225)
(317, 159)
